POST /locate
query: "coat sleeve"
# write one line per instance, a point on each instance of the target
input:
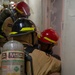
(43, 64)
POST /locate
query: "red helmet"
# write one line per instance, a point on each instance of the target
(49, 36)
(23, 8)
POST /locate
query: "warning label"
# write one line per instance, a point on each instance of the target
(13, 54)
(11, 70)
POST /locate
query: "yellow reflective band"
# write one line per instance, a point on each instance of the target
(50, 40)
(13, 33)
(38, 36)
(27, 29)
(19, 10)
(1, 36)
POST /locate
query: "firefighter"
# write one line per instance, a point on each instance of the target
(21, 10)
(3, 15)
(24, 31)
(47, 40)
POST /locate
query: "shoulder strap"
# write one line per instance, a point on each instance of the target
(30, 49)
(56, 56)
(12, 15)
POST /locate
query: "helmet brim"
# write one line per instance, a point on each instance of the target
(19, 34)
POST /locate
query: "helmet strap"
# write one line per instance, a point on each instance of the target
(32, 38)
(49, 51)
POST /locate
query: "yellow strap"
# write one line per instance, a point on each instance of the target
(19, 10)
(27, 29)
(13, 33)
(50, 40)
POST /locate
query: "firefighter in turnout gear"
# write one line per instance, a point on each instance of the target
(47, 40)
(21, 10)
(3, 15)
(24, 31)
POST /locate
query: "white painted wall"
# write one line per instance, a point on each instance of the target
(0, 2)
(36, 12)
(40, 15)
(68, 38)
